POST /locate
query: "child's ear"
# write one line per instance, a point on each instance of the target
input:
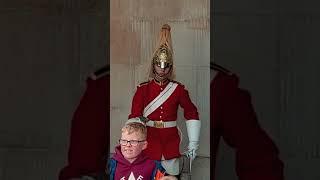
(145, 144)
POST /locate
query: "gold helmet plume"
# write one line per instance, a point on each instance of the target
(163, 55)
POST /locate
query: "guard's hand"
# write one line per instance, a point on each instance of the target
(140, 119)
(193, 129)
(192, 148)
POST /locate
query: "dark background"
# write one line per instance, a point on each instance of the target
(48, 48)
(273, 47)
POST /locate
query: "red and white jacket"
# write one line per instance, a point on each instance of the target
(163, 141)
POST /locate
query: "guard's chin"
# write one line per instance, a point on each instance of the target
(161, 77)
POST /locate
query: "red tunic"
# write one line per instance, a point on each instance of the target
(89, 140)
(163, 140)
(234, 119)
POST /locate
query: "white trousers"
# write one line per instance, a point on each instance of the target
(171, 166)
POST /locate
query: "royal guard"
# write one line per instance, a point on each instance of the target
(233, 118)
(89, 135)
(157, 100)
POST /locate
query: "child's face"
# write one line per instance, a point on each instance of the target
(129, 151)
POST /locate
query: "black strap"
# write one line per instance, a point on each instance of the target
(102, 70)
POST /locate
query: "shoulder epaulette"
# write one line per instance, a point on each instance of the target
(176, 82)
(103, 71)
(144, 83)
(219, 68)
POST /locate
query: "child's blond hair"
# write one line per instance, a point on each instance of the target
(135, 127)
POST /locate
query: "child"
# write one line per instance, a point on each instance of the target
(129, 161)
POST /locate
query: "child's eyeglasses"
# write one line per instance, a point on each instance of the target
(124, 142)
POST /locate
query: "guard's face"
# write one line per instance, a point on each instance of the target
(131, 151)
(162, 72)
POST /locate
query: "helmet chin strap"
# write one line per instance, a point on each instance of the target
(161, 79)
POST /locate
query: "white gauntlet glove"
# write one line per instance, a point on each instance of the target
(140, 119)
(193, 129)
